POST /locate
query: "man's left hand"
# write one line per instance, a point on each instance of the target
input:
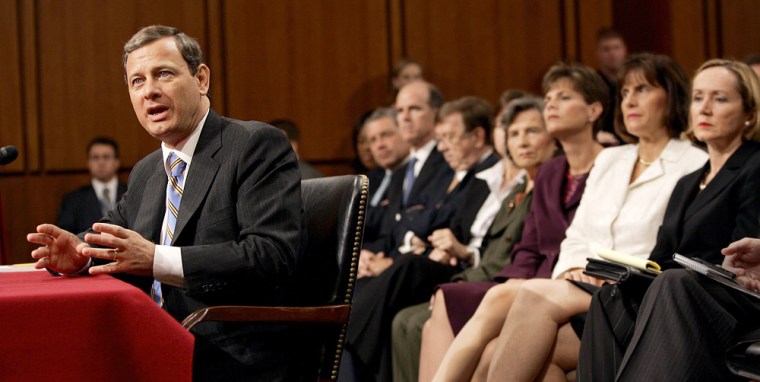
(128, 251)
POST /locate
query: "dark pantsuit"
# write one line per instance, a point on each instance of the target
(685, 324)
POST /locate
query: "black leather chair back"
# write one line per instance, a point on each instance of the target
(333, 213)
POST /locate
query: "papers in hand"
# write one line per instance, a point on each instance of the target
(631, 261)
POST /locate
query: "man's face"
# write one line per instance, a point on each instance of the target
(610, 53)
(102, 162)
(416, 119)
(169, 101)
(410, 73)
(459, 147)
(385, 143)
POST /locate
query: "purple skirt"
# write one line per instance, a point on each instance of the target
(462, 300)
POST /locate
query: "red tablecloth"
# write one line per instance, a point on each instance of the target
(87, 329)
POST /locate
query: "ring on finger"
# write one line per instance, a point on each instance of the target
(115, 252)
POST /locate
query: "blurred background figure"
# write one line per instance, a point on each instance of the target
(363, 162)
(86, 205)
(611, 52)
(753, 60)
(291, 131)
(406, 71)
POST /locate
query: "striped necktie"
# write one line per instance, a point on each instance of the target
(173, 200)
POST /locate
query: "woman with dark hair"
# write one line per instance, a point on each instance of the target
(709, 209)
(574, 97)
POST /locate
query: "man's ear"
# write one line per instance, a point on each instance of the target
(203, 76)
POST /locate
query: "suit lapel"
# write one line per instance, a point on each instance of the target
(429, 169)
(202, 171)
(505, 217)
(725, 176)
(153, 205)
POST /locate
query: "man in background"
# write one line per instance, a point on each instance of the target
(390, 152)
(83, 207)
(291, 131)
(611, 52)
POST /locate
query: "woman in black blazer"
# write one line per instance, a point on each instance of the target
(709, 209)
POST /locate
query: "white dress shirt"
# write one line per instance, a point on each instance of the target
(167, 260)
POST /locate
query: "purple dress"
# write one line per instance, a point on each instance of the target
(555, 198)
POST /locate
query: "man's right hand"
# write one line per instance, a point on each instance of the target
(60, 250)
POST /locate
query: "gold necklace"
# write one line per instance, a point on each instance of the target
(645, 163)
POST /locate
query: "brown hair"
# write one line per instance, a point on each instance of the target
(658, 70)
(585, 81)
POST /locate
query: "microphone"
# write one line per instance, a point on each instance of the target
(8, 154)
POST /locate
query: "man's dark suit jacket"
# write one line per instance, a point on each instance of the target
(239, 231)
(429, 189)
(423, 221)
(373, 224)
(81, 208)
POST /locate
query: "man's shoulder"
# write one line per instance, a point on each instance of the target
(79, 192)
(231, 125)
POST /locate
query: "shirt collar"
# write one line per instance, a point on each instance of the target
(186, 149)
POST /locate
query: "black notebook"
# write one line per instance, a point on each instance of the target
(715, 272)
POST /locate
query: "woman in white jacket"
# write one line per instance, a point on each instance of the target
(624, 204)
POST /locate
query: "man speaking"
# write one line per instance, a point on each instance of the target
(213, 217)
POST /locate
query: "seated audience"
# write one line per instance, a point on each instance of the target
(709, 209)
(390, 152)
(425, 178)
(653, 113)
(575, 98)
(85, 206)
(504, 189)
(465, 142)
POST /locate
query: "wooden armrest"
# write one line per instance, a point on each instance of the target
(329, 314)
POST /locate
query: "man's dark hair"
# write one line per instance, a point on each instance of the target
(435, 96)
(104, 141)
(607, 33)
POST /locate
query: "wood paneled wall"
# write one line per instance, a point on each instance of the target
(321, 63)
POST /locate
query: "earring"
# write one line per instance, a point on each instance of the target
(747, 124)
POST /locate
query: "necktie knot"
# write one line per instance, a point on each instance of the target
(176, 165)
